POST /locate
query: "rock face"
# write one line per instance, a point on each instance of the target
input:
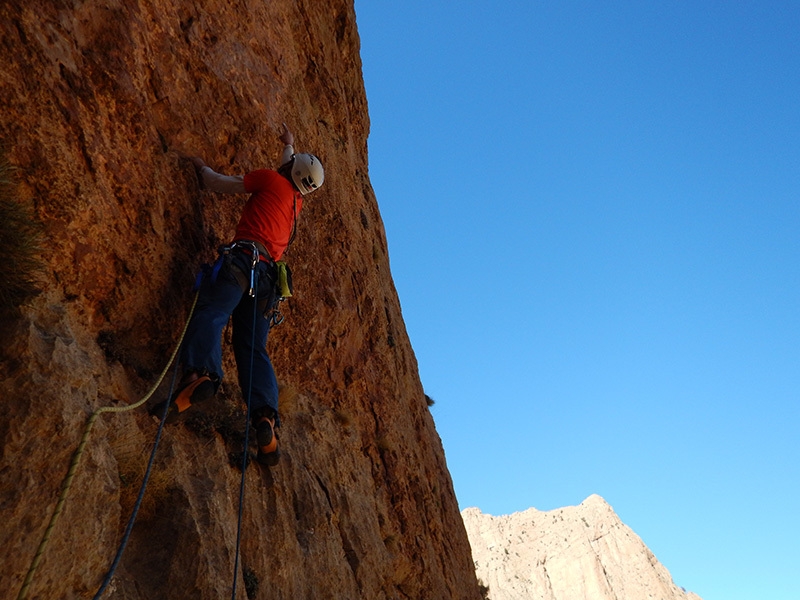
(100, 101)
(581, 552)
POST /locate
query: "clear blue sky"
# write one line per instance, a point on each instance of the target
(593, 223)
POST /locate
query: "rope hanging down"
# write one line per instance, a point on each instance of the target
(67, 483)
(246, 441)
(124, 541)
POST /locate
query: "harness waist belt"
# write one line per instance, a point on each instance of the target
(262, 251)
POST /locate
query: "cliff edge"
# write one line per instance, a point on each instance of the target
(100, 101)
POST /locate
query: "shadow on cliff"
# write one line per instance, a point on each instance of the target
(21, 246)
(149, 333)
(155, 559)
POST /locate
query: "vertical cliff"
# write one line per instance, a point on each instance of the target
(100, 100)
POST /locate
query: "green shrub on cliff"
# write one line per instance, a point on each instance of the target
(20, 245)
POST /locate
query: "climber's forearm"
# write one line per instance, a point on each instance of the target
(224, 184)
(288, 153)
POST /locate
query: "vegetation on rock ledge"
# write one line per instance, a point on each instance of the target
(20, 245)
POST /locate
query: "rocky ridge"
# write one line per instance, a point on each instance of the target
(101, 100)
(581, 551)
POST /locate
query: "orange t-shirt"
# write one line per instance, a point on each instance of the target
(270, 213)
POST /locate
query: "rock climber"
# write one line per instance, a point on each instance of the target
(246, 266)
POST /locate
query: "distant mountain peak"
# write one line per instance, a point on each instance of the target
(582, 551)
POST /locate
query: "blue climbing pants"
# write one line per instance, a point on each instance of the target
(224, 297)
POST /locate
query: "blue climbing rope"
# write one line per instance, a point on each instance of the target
(137, 505)
(76, 459)
(254, 293)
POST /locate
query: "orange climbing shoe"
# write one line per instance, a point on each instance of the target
(267, 439)
(194, 392)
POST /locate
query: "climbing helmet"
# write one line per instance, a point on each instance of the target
(307, 173)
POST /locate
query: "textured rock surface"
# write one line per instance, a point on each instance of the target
(100, 99)
(576, 552)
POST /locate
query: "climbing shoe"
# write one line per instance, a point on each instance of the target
(268, 451)
(199, 390)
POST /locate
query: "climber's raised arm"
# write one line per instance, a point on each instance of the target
(234, 184)
(216, 182)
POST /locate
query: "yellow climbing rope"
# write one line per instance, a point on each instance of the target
(67, 483)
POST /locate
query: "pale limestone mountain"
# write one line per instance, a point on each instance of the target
(580, 552)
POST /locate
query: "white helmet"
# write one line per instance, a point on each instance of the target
(307, 173)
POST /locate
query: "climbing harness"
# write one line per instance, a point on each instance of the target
(284, 275)
(67, 483)
(249, 247)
